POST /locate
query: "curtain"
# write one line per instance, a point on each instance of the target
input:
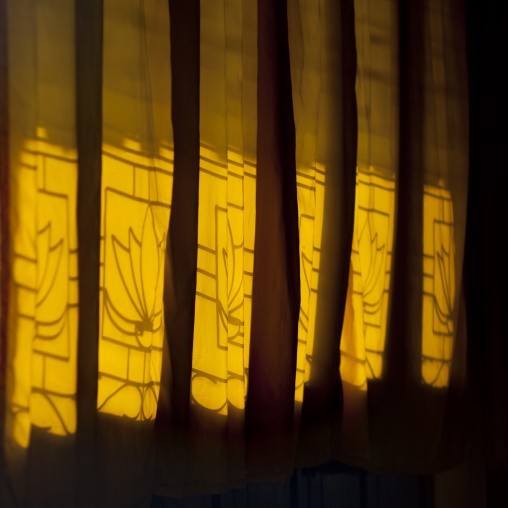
(233, 239)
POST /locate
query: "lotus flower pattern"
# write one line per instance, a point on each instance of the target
(48, 263)
(235, 286)
(140, 265)
(444, 289)
(51, 284)
(373, 265)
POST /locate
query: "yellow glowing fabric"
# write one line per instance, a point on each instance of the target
(438, 285)
(136, 193)
(137, 184)
(364, 332)
(226, 216)
(367, 306)
(46, 286)
(44, 291)
(442, 258)
(305, 25)
(310, 202)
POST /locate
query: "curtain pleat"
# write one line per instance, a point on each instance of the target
(181, 253)
(270, 401)
(89, 42)
(425, 332)
(210, 397)
(136, 199)
(403, 342)
(325, 268)
(367, 303)
(400, 371)
(41, 351)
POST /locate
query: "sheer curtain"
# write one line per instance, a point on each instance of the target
(233, 236)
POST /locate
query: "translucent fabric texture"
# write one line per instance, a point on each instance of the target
(233, 236)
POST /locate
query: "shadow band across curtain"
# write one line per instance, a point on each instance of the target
(232, 243)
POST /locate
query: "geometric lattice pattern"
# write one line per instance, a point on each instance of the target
(226, 211)
(364, 331)
(46, 291)
(136, 199)
(438, 285)
(224, 281)
(372, 262)
(310, 186)
(309, 73)
(136, 194)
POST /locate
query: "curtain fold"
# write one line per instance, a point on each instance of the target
(233, 237)
(323, 67)
(180, 268)
(272, 364)
(408, 246)
(89, 57)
